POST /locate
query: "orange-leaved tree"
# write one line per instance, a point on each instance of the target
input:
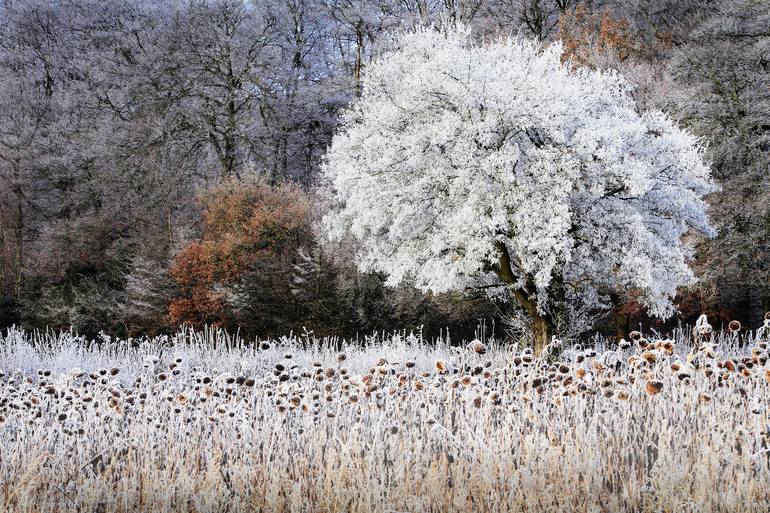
(239, 273)
(589, 37)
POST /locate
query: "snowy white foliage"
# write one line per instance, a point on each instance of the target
(457, 147)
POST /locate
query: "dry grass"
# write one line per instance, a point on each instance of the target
(201, 422)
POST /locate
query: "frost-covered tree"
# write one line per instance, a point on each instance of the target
(147, 291)
(498, 166)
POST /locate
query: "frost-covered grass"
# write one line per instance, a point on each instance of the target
(202, 422)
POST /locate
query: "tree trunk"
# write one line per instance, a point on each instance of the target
(542, 329)
(542, 325)
(359, 62)
(756, 307)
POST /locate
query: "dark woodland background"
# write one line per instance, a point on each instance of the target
(158, 159)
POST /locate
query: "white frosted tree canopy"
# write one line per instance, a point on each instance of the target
(496, 165)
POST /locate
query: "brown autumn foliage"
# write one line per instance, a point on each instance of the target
(587, 35)
(251, 233)
(195, 271)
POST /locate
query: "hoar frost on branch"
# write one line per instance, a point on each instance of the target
(498, 166)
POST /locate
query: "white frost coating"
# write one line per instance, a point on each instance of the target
(455, 146)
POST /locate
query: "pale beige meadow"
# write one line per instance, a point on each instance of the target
(205, 422)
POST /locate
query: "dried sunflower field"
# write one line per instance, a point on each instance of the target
(206, 422)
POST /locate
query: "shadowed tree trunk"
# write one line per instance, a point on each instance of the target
(621, 320)
(621, 326)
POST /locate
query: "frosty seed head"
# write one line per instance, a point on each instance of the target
(653, 387)
(478, 347)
